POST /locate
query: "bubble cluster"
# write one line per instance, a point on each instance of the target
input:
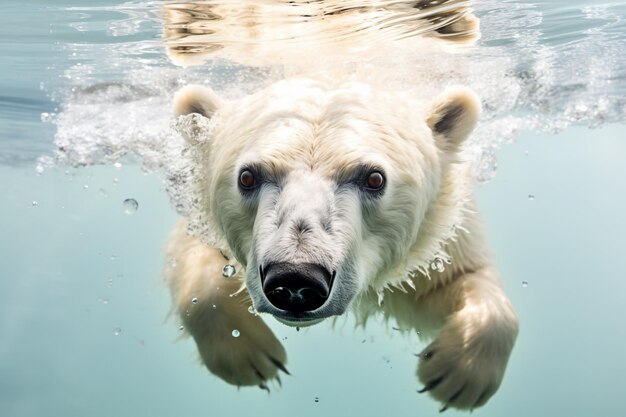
(487, 167)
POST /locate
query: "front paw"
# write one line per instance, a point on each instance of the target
(464, 367)
(240, 349)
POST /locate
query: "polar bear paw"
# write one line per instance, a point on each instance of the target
(242, 352)
(463, 369)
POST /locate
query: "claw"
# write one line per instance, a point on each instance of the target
(444, 408)
(279, 365)
(455, 396)
(260, 375)
(480, 399)
(264, 386)
(431, 385)
(280, 383)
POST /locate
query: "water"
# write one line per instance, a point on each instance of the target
(84, 88)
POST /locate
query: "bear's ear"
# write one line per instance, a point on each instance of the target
(196, 99)
(453, 116)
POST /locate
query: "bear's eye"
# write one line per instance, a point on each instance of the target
(375, 181)
(247, 180)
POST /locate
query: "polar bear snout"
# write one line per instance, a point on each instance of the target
(296, 287)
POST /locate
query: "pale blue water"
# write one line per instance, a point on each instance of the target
(83, 309)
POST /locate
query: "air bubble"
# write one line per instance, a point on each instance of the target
(117, 166)
(117, 331)
(194, 300)
(317, 399)
(437, 265)
(524, 284)
(172, 263)
(181, 328)
(85, 186)
(130, 206)
(35, 203)
(228, 270)
(235, 333)
(251, 310)
(531, 197)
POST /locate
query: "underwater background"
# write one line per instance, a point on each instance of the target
(87, 202)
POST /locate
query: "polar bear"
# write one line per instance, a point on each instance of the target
(326, 199)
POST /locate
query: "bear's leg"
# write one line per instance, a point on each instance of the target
(234, 343)
(463, 367)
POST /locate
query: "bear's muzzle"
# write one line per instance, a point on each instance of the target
(296, 287)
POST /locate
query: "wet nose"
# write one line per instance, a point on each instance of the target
(296, 287)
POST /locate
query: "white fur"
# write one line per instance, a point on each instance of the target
(311, 137)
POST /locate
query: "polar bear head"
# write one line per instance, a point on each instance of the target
(323, 193)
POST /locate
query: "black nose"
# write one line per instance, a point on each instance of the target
(296, 287)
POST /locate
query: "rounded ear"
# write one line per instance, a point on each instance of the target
(453, 117)
(196, 99)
